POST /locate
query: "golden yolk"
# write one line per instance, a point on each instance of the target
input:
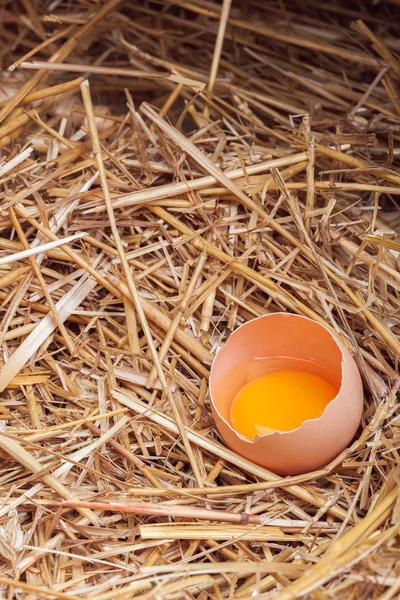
(279, 401)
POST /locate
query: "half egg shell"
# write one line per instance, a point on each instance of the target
(281, 341)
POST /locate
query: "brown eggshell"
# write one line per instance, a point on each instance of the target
(281, 341)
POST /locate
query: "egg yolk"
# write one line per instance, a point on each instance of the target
(279, 401)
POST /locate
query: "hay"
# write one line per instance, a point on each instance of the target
(212, 163)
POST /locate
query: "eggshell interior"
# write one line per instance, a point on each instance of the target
(281, 341)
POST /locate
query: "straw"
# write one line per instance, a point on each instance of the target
(226, 160)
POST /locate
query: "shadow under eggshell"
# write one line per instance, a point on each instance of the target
(285, 341)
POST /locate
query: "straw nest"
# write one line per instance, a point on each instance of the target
(168, 171)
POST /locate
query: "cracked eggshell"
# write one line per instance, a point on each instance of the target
(280, 341)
